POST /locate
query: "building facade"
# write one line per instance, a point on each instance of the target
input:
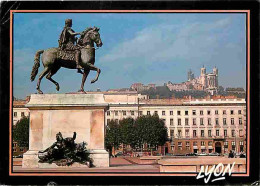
(194, 126)
(19, 110)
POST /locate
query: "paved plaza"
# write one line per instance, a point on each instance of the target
(121, 164)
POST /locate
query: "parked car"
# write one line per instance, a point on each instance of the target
(214, 154)
(18, 156)
(119, 154)
(242, 155)
(191, 154)
(203, 154)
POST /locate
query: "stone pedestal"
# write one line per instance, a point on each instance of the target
(67, 113)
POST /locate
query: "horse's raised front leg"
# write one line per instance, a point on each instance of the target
(92, 67)
(44, 72)
(85, 75)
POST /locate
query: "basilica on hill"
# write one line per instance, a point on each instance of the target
(205, 82)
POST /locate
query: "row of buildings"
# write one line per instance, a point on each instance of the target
(207, 125)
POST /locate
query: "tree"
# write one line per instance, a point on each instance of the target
(113, 137)
(127, 131)
(21, 132)
(151, 130)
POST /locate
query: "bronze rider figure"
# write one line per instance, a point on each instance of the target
(67, 40)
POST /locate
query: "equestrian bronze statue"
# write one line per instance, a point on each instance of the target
(71, 54)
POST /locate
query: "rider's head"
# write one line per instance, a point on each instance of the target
(68, 22)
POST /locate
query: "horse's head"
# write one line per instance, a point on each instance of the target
(89, 36)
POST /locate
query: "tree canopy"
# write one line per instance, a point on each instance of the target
(150, 130)
(21, 132)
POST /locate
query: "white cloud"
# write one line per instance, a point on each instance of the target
(165, 42)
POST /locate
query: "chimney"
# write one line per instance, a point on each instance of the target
(27, 99)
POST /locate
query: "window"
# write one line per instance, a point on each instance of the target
(194, 112)
(187, 132)
(216, 112)
(224, 121)
(233, 133)
(22, 114)
(209, 121)
(156, 112)
(124, 112)
(163, 113)
(179, 133)
(232, 121)
(108, 113)
(195, 143)
(179, 121)
(171, 121)
(233, 143)
(201, 121)
(217, 121)
(148, 113)
(14, 150)
(208, 112)
(171, 113)
(239, 111)
(187, 145)
(209, 133)
(201, 112)
(224, 112)
(202, 133)
(226, 144)
(117, 121)
(225, 133)
(186, 121)
(164, 120)
(217, 132)
(21, 149)
(172, 147)
(116, 113)
(240, 121)
(186, 112)
(178, 112)
(203, 143)
(194, 133)
(172, 133)
(140, 113)
(240, 133)
(108, 121)
(194, 121)
(132, 113)
(180, 145)
(231, 112)
(210, 143)
(241, 143)
(15, 114)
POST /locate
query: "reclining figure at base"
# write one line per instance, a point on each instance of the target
(65, 152)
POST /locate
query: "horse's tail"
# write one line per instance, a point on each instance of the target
(36, 64)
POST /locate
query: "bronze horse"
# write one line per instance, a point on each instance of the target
(52, 63)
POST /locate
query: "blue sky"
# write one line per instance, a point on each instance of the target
(138, 47)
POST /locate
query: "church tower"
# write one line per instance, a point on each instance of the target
(215, 72)
(203, 77)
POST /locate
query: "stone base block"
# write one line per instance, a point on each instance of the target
(100, 159)
(30, 159)
(53, 165)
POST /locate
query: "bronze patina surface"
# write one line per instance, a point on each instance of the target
(72, 53)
